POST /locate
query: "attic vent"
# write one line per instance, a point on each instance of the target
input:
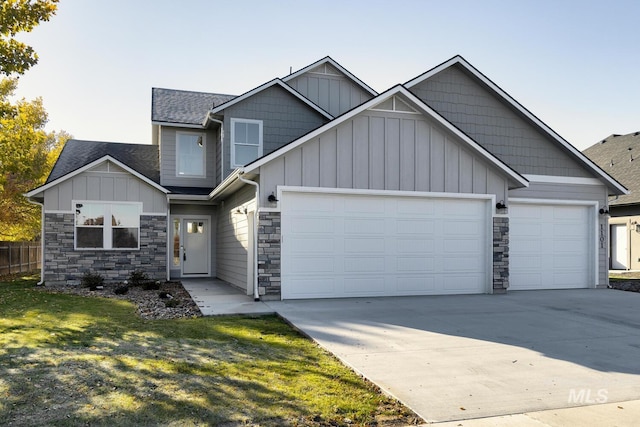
(395, 104)
(636, 134)
(611, 164)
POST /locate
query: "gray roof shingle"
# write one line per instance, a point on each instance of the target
(619, 156)
(143, 158)
(182, 106)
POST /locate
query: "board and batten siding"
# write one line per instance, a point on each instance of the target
(333, 92)
(384, 151)
(576, 192)
(495, 125)
(110, 185)
(168, 158)
(284, 119)
(232, 237)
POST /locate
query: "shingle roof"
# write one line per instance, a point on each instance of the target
(619, 156)
(182, 106)
(142, 158)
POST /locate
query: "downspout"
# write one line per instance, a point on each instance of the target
(41, 282)
(256, 294)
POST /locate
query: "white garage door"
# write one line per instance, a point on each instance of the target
(550, 246)
(337, 245)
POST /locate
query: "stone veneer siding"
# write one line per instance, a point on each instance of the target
(500, 255)
(269, 247)
(65, 265)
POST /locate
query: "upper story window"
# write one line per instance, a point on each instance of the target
(121, 230)
(246, 141)
(190, 154)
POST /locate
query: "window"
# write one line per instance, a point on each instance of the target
(190, 154)
(246, 141)
(121, 232)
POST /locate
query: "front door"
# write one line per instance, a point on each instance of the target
(619, 246)
(195, 250)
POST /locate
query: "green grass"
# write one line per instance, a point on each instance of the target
(70, 360)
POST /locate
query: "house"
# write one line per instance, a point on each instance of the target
(619, 155)
(315, 186)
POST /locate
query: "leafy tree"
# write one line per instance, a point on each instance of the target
(18, 16)
(27, 154)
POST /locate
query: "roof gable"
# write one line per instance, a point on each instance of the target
(398, 92)
(274, 82)
(550, 140)
(327, 65)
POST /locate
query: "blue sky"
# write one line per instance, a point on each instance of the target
(574, 64)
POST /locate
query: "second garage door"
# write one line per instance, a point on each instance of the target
(345, 245)
(551, 246)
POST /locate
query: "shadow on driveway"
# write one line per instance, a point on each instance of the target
(469, 356)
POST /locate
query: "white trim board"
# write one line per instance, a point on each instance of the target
(552, 179)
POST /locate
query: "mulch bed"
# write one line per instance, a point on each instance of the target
(151, 304)
(631, 285)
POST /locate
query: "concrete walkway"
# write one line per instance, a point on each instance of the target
(215, 297)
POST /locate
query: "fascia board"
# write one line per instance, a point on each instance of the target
(266, 86)
(178, 125)
(515, 104)
(91, 165)
(343, 70)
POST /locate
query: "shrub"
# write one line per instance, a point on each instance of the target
(165, 295)
(150, 285)
(121, 290)
(92, 280)
(172, 303)
(138, 278)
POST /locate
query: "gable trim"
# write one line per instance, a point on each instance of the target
(428, 111)
(552, 179)
(515, 104)
(91, 165)
(329, 60)
(260, 89)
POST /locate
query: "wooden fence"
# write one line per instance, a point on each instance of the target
(19, 257)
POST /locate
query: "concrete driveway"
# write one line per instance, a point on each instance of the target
(470, 356)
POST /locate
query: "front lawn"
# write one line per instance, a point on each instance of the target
(70, 360)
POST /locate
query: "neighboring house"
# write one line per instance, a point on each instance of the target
(619, 156)
(315, 186)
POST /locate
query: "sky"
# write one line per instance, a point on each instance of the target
(575, 64)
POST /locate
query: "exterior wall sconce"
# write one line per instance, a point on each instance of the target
(604, 211)
(501, 205)
(272, 198)
(241, 211)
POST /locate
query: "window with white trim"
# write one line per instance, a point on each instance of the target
(190, 154)
(121, 230)
(246, 141)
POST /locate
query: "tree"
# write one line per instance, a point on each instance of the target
(27, 154)
(18, 16)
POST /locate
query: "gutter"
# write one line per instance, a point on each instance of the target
(256, 293)
(41, 282)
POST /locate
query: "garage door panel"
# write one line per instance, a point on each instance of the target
(551, 246)
(363, 264)
(387, 245)
(314, 224)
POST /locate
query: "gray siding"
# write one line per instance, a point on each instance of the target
(578, 192)
(284, 117)
(495, 125)
(232, 237)
(334, 93)
(168, 159)
(196, 210)
(108, 185)
(385, 151)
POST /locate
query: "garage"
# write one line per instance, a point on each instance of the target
(337, 245)
(551, 246)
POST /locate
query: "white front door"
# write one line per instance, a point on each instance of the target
(195, 250)
(619, 246)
